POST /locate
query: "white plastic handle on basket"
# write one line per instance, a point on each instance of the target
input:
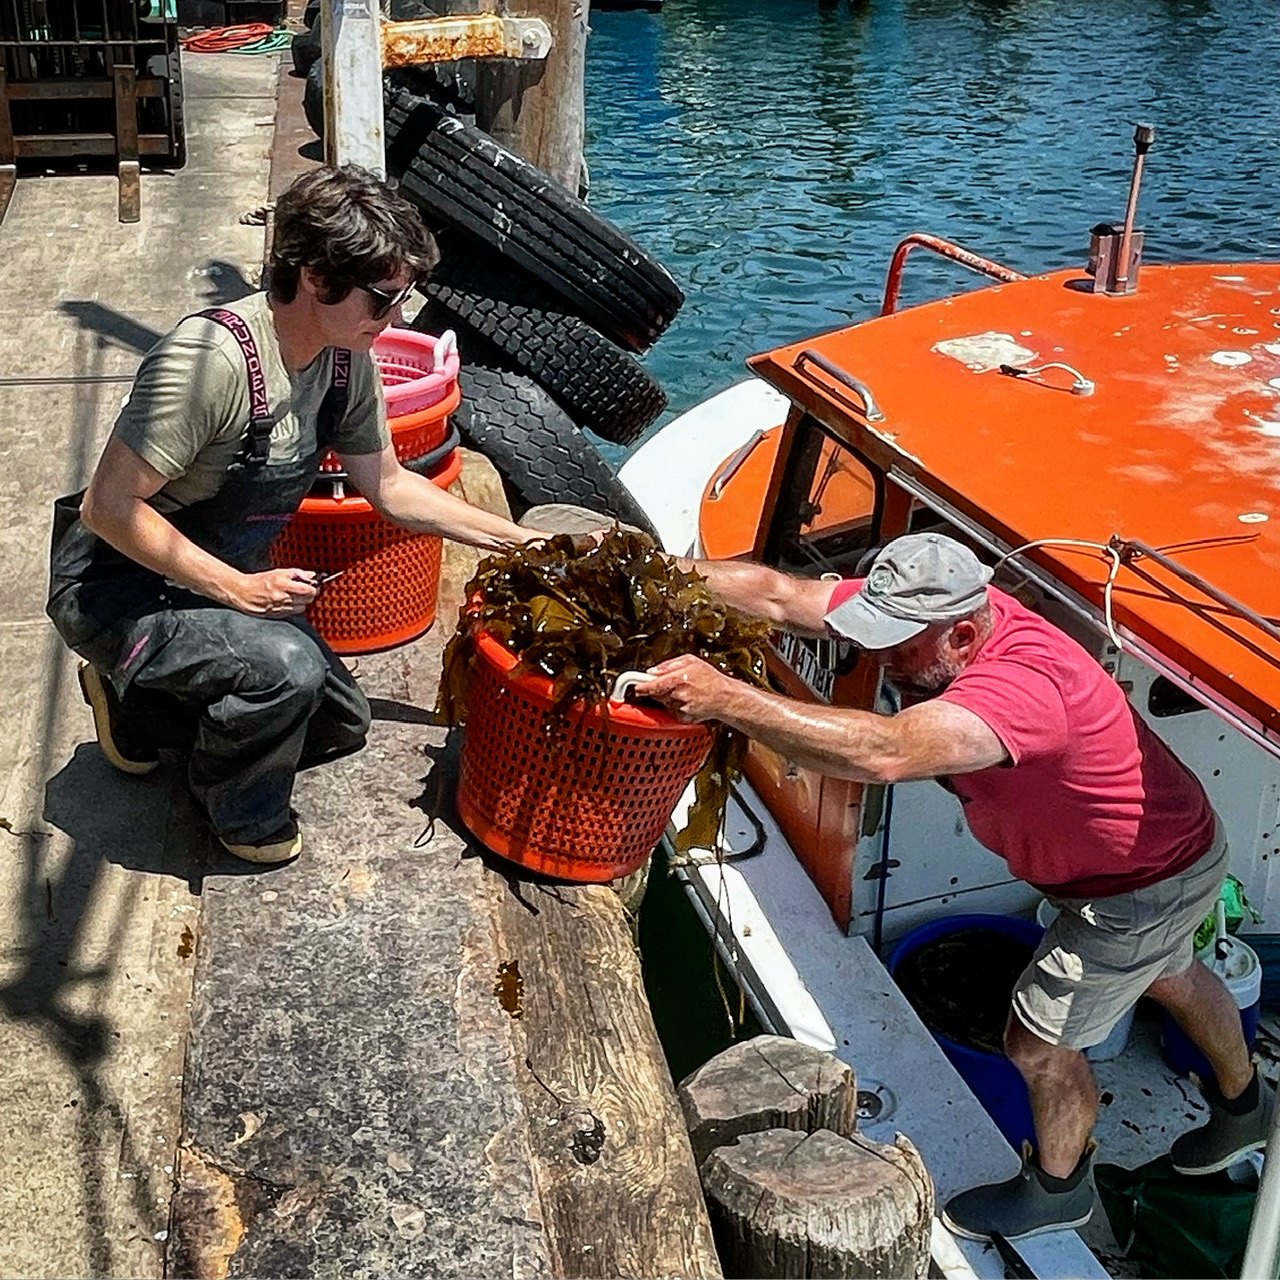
(446, 345)
(625, 683)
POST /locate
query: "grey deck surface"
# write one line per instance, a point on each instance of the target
(96, 909)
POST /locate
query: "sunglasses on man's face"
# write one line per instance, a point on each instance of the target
(384, 302)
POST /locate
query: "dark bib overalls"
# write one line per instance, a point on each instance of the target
(253, 699)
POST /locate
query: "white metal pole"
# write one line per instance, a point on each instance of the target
(351, 41)
(1262, 1253)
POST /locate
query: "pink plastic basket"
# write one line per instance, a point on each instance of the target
(406, 361)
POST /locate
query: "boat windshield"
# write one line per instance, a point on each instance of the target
(828, 514)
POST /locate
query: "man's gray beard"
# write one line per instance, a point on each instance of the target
(933, 680)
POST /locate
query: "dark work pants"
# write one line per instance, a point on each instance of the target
(252, 699)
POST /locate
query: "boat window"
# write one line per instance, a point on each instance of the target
(829, 514)
(1166, 699)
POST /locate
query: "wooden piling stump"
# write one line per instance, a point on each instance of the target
(787, 1204)
(769, 1082)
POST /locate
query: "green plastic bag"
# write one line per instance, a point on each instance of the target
(1238, 907)
(1177, 1227)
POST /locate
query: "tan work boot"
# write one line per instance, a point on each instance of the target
(122, 747)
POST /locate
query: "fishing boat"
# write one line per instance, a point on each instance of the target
(1109, 435)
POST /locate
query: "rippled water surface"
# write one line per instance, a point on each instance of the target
(772, 152)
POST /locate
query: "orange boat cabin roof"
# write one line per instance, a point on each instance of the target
(1170, 439)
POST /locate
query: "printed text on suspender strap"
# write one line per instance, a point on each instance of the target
(258, 445)
(334, 406)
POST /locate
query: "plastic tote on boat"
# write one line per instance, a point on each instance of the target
(390, 577)
(583, 796)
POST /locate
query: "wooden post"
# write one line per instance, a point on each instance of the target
(351, 38)
(770, 1082)
(787, 1204)
(537, 109)
(793, 1190)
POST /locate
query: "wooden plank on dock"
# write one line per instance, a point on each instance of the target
(611, 1160)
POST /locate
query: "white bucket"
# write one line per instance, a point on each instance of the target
(1115, 1042)
(1239, 967)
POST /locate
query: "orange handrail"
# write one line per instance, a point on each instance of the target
(944, 249)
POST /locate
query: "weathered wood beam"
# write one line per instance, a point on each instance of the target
(611, 1161)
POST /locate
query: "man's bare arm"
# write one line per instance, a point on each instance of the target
(791, 604)
(926, 741)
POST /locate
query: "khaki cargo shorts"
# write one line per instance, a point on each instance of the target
(1100, 954)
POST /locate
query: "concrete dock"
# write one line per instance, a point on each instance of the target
(212, 1070)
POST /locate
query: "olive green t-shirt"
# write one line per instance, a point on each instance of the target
(188, 411)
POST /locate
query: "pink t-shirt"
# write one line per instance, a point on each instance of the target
(1090, 803)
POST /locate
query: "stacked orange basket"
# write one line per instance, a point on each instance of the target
(583, 797)
(390, 577)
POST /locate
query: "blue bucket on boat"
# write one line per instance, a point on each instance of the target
(994, 1080)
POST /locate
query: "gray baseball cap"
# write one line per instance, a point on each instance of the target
(917, 579)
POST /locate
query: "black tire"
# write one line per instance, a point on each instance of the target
(541, 456)
(442, 82)
(599, 385)
(458, 176)
(305, 49)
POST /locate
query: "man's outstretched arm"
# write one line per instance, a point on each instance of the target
(791, 604)
(930, 740)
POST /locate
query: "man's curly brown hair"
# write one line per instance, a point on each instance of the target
(351, 229)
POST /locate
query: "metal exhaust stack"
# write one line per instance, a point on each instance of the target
(1115, 250)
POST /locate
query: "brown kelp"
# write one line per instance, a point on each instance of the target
(581, 613)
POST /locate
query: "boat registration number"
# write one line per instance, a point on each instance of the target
(814, 661)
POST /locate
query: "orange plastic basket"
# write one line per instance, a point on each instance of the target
(413, 434)
(586, 799)
(390, 577)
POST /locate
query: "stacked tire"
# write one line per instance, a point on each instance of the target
(551, 304)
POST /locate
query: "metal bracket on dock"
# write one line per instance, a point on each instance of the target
(479, 35)
(358, 45)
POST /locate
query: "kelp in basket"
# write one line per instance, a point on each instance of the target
(583, 614)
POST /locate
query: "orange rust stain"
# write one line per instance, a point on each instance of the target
(208, 1222)
(407, 49)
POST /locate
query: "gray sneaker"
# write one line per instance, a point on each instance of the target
(1225, 1138)
(1024, 1206)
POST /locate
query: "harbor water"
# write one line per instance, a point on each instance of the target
(772, 152)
